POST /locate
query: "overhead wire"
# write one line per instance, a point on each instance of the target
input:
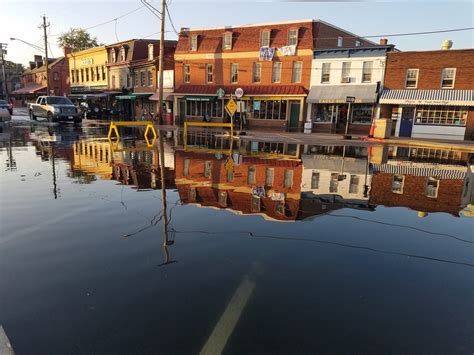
(171, 21)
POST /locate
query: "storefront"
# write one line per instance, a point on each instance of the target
(328, 110)
(440, 114)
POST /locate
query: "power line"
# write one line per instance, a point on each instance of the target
(171, 21)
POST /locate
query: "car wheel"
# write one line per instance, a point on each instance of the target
(49, 117)
(32, 116)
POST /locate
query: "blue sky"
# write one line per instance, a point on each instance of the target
(20, 19)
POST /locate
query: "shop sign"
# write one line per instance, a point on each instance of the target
(220, 93)
(87, 61)
(239, 92)
(350, 99)
(427, 102)
(256, 105)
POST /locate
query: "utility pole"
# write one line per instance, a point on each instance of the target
(3, 51)
(44, 25)
(161, 61)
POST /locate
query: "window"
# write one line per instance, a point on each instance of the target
(142, 78)
(114, 55)
(87, 73)
(92, 74)
(122, 54)
(55, 76)
(228, 40)
(103, 72)
(397, 184)
(288, 178)
(207, 168)
(135, 79)
(186, 73)
(186, 167)
(234, 73)
(97, 73)
(367, 72)
(257, 72)
(199, 108)
(72, 76)
(194, 43)
(333, 183)
(150, 78)
(432, 185)
(346, 72)
(411, 81)
(326, 73)
(265, 39)
(441, 115)
(357, 43)
(293, 37)
(223, 198)
(296, 74)
(362, 113)
(276, 72)
(315, 180)
(251, 175)
(113, 81)
(354, 184)
(447, 78)
(150, 51)
(255, 204)
(269, 175)
(209, 73)
(267, 109)
(340, 41)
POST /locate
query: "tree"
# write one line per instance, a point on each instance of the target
(78, 39)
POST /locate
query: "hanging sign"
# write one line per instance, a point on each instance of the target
(288, 50)
(220, 93)
(239, 92)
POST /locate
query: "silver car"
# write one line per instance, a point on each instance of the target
(5, 115)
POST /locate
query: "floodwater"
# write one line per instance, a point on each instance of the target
(282, 249)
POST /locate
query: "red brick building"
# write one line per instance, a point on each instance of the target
(270, 62)
(430, 94)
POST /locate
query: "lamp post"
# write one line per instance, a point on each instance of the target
(3, 51)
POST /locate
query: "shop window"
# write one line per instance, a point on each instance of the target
(150, 78)
(357, 43)
(142, 78)
(209, 73)
(323, 113)
(296, 73)
(340, 41)
(326, 73)
(269, 176)
(223, 198)
(234, 73)
(432, 185)
(411, 80)
(441, 115)
(207, 168)
(186, 73)
(367, 72)
(227, 41)
(276, 72)
(333, 183)
(255, 207)
(315, 180)
(354, 184)
(251, 175)
(346, 72)
(397, 184)
(361, 113)
(288, 182)
(257, 72)
(199, 108)
(447, 78)
(293, 37)
(265, 39)
(194, 43)
(267, 109)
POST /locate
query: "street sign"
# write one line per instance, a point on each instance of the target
(220, 93)
(229, 164)
(239, 92)
(231, 107)
(350, 99)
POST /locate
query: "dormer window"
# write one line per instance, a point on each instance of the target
(150, 51)
(227, 42)
(114, 55)
(265, 39)
(122, 54)
(293, 37)
(194, 43)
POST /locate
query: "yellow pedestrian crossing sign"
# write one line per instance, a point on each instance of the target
(231, 107)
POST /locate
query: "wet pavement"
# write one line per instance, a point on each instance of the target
(260, 248)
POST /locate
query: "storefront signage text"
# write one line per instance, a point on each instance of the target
(87, 61)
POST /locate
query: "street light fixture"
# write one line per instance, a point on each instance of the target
(28, 43)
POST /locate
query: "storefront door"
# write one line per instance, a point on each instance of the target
(406, 123)
(294, 117)
(341, 118)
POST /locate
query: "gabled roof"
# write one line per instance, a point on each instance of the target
(53, 62)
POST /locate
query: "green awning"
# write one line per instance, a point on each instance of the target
(133, 96)
(200, 98)
(125, 97)
(142, 94)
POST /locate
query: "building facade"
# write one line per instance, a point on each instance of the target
(269, 63)
(430, 94)
(346, 72)
(88, 72)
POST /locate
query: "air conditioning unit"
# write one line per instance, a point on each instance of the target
(346, 80)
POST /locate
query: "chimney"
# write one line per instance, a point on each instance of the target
(38, 61)
(446, 45)
(383, 41)
(32, 65)
(67, 50)
(184, 31)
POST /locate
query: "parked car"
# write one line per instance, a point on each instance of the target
(5, 115)
(55, 109)
(7, 105)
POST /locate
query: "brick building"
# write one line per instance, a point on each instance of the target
(430, 94)
(34, 79)
(270, 62)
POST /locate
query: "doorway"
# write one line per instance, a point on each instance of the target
(294, 116)
(406, 122)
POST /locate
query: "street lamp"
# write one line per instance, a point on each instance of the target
(38, 48)
(3, 51)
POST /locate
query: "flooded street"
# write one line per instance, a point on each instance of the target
(269, 248)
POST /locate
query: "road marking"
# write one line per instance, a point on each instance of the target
(229, 319)
(5, 346)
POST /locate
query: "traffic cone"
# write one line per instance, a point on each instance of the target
(372, 129)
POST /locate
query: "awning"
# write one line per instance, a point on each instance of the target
(436, 171)
(428, 97)
(30, 89)
(334, 163)
(125, 97)
(200, 98)
(133, 96)
(88, 96)
(249, 90)
(167, 96)
(332, 94)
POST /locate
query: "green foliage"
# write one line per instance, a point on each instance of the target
(78, 39)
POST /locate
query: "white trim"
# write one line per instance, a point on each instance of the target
(454, 79)
(417, 76)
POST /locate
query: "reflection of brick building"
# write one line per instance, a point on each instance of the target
(202, 178)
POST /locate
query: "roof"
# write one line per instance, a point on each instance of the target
(429, 97)
(53, 62)
(429, 170)
(353, 52)
(248, 90)
(30, 89)
(86, 51)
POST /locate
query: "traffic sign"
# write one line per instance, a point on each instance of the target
(239, 92)
(231, 107)
(229, 164)
(220, 93)
(350, 99)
